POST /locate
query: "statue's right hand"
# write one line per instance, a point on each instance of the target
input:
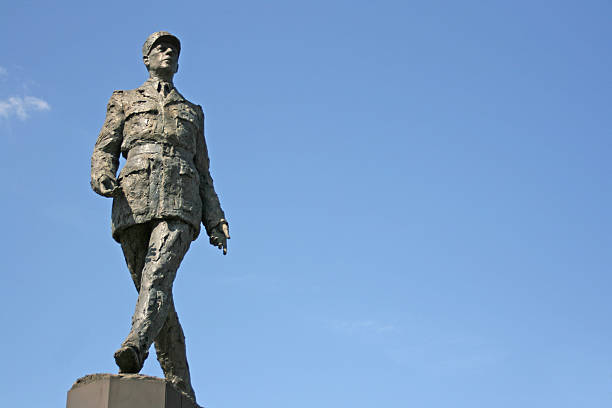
(106, 186)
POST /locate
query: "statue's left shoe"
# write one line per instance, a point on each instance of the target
(128, 360)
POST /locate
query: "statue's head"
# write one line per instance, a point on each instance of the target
(160, 53)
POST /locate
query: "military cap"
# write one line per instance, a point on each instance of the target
(146, 48)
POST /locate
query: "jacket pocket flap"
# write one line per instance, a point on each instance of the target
(140, 107)
(184, 112)
(134, 165)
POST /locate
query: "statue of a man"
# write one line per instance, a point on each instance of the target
(162, 194)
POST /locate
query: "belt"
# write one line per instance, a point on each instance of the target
(159, 148)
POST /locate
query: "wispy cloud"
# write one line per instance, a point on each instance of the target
(361, 326)
(3, 72)
(450, 355)
(22, 106)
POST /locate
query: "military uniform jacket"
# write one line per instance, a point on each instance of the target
(166, 174)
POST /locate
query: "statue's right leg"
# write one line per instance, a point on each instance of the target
(135, 244)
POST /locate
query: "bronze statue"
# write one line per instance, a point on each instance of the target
(161, 195)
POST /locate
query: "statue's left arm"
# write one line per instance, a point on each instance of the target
(213, 216)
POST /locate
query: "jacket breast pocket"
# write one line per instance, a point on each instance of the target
(186, 118)
(140, 116)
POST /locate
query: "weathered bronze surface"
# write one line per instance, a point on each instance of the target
(162, 194)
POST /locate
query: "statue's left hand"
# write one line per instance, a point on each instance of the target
(220, 235)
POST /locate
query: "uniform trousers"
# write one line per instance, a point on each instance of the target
(153, 252)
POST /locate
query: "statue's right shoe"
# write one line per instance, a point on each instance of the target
(128, 360)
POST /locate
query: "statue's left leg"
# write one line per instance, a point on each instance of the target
(168, 243)
(171, 353)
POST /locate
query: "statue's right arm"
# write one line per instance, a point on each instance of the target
(105, 157)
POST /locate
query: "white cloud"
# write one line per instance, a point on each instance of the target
(21, 107)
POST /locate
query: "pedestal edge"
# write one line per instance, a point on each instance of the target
(90, 378)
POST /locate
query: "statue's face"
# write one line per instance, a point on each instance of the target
(163, 58)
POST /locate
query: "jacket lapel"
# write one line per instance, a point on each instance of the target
(173, 96)
(147, 90)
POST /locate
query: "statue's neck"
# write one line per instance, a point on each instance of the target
(160, 77)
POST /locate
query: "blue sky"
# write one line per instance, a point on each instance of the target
(418, 192)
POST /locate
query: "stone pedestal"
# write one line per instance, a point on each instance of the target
(126, 391)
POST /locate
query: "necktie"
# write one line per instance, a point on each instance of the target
(163, 88)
